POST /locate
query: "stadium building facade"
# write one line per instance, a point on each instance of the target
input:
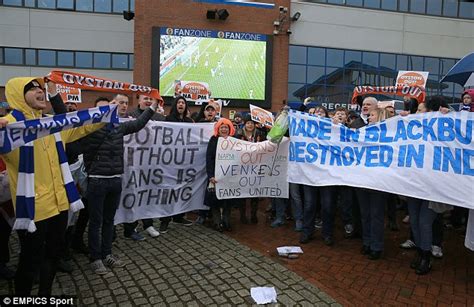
(332, 46)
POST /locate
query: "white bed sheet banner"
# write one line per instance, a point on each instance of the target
(427, 156)
(165, 170)
(246, 169)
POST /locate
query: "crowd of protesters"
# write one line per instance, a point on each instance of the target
(100, 148)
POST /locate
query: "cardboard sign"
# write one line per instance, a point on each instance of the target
(69, 94)
(261, 116)
(192, 90)
(412, 78)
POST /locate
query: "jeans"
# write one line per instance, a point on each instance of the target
(129, 228)
(104, 197)
(328, 209)
(421, 222)
(40, 250)
(280, 205)
(347, 201)
(372, 209)
(81, 223)
(296, 201)
(309, 209)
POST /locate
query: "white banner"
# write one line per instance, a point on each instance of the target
(245, 169)
(428, 156)
(165, 170)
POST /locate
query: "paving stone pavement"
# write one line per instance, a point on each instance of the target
(188, 266)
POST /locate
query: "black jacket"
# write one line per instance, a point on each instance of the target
(73, 149)
(358, 123)
(211, 157)
(103, 149)
(137, 112)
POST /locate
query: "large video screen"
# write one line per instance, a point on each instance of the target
(234, 66)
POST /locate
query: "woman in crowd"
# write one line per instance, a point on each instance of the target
(372, 208)
(222, 129)
(249, 133)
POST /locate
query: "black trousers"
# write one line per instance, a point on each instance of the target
(81, 223)
(40, 249)
(5, 231)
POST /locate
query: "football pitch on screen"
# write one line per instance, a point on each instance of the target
(233, 69)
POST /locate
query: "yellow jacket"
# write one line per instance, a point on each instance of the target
(50, 194)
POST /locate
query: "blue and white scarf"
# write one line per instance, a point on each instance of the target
(25, 196)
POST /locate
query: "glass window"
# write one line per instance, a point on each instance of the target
(1, 55)
(132, 5)
(297, 73)
(30, 57)
(46, 58)
(47, 4)
(354, 2)
(65, 58)
(334, 57)
(297, 55)
(84, 59)
(432, 65)
(296, 89)
(130, 61)
(101, 60)
(120, 61)
(417, 6)
(389, 5)
(402, 62)
(336, 1)
(387, 60)
(403, 5)
(466, 10)
(30, 3)
(13, 56)
(12, 2)
(120, 6)
(450, 8)
(353, 56)
(84, 5)
(375, 4)
(315, 74)
(316, 56)
(66, 4)
(446, 65)
(433, 7)
(371, 58)
(415, 63)
(103, 6)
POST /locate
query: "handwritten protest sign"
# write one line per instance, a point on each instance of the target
(412, 78)
(245, 169)
(262, 116)
(428, 156)
(165, 170)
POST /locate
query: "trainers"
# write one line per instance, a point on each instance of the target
(408, 244)
(318, 224)
(152, 232)
(164, 227)
(183, 221)
(98, 267)
(135, 236)
(113, 261)
(406, 219)
(299, 226)
(277, 223)
(200, 220)
(348, 230)
(437, 251)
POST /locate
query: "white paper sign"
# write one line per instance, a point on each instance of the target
(165, 170)
(245, 169)
(427, 156)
